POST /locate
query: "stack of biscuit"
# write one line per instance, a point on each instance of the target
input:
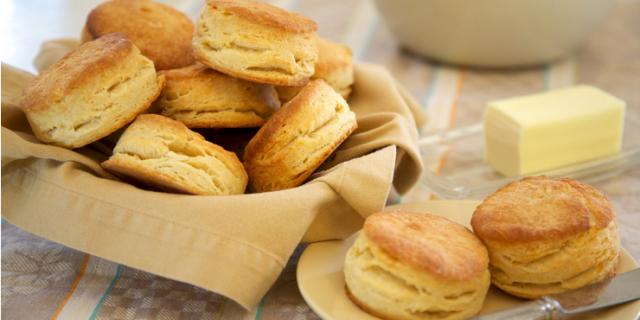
(140, 57)
(534, 237)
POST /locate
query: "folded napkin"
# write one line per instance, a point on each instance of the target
(233, 245)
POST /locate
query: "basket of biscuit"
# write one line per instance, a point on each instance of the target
(202, 151)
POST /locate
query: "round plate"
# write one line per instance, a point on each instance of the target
(321, 280)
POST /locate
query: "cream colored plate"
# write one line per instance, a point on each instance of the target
(321, 280)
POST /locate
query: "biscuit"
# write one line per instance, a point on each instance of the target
(91, 92)
(547, 236)
(256, 41)
(164, 153)
(334, 66)
(162, 33)
(201, 97)
(298, 138)
(407, 265)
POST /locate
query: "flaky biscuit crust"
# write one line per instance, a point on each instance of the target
(76, 68)
(298, 138)
(162, 33)
(332, 56)
(539, 208)
(201, 97)
(416, 266)
(243, 40)
(334, 66)
(428, 242)
(267, 15)
(364, 306)
(91, 92)
(546, 236)
(165, 154)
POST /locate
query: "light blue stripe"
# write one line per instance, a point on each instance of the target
(435, 73)
(362, 51)
(106, 293)
(261, 307)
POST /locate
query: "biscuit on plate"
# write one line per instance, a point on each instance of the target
(334, 66)
(201, 97)
(547, 236)
(256, 41)
(298, 138)
(91, 92)
(416, 266)
(164, 153)
(162, 33)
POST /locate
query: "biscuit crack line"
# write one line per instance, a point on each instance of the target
(335, 117)
(200, 112)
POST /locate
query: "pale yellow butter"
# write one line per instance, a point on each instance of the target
(534, 133)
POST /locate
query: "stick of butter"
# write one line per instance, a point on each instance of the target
(534, 133)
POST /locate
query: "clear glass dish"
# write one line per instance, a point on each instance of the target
(459, 170)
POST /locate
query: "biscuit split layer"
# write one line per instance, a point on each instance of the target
(164, 153)
(256, 41)
(547, 236)
(91, 92)
(298, 138)
(201, 97)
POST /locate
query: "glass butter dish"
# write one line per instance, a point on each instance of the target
(456, 168)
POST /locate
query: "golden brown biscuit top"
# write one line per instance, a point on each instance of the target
(265, 14)
(89, 60)
(166, 124)
(428, 242)
(296, 114)
(161, 32)
(331, 56)
(540, 208)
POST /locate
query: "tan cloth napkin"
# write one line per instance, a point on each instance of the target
(234, 245)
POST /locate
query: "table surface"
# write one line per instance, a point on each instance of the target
(67, 284)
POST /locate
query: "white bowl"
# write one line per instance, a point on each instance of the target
(492, 33)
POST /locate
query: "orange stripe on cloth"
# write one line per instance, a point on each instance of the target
(454, 100)
(74, 286)
(452, 119)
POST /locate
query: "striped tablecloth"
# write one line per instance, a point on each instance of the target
(44, 280)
